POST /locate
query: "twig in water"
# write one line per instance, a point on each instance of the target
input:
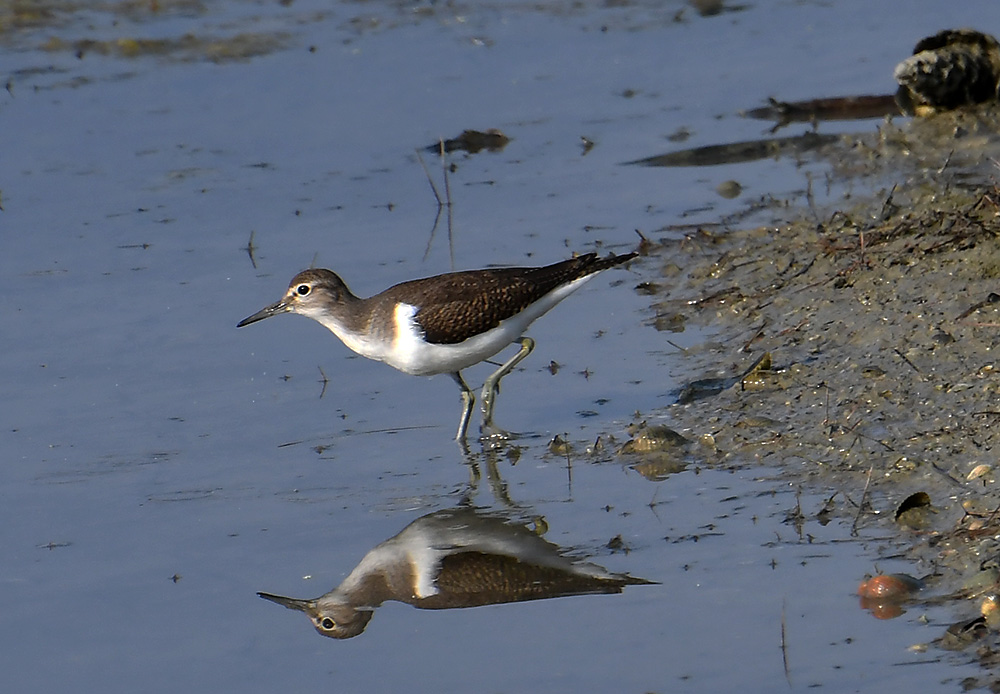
(447, 198)
(430, 180)
(250, 248)
(861, 506)
(784, 644)
(887, 205)
(324, 380)
(441, 204)
(569, 471)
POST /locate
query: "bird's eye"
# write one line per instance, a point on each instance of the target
(303, 289)
(327, 623)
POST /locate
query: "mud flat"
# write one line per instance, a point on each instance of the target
(855, 349)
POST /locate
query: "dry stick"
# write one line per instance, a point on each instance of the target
(887, 202)
(992, 517)
(437, 197)
(325, 381)
(446, 203)
(430, 239)
(826, 419)
(447, 198)
(756, 336)
(784, 644)
(944, 473)
(569, 471)
(644, 243)
(810, 198)
(652, 500)
(947, 161)
(429, 179)
(992, 298)
(861, 506)
(250, 248)
(652, 504)
(908, 363)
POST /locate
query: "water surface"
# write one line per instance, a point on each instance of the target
(162, 467)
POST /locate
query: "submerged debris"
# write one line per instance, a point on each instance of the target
(831, 108)
(883, 595)
(472, 141)
(660, 450)
(186, 48)
(737, 152)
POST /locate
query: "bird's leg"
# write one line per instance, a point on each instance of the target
(492, 385)
(468, 401)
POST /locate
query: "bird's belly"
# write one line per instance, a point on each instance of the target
(407, 351)
(420, 358)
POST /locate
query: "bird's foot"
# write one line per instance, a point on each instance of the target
(493, 437)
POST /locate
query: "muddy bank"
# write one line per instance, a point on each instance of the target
(880, 319)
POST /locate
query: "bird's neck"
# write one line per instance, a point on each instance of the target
(346, 315)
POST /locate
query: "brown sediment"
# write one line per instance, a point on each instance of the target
(881, 321)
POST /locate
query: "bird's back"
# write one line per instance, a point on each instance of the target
(459, 305)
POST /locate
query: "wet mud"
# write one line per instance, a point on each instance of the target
(855, 349)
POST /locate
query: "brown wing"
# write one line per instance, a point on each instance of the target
(471, 579)
(460, 305)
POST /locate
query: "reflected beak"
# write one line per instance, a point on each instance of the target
(306, 606)
(266, 312)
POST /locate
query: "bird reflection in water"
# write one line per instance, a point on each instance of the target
(454, 558)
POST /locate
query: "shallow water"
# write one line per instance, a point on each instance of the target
(162, 467)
